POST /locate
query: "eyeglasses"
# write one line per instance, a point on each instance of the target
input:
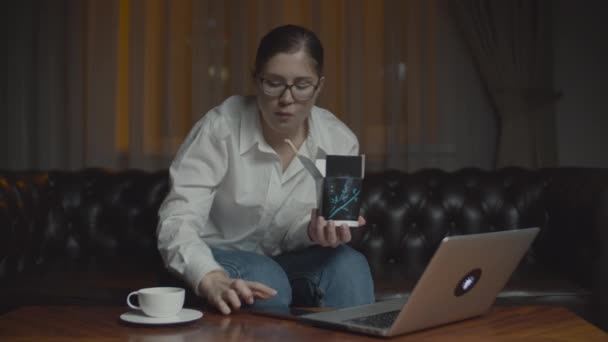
(300, 90)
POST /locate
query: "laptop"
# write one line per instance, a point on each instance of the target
(461, 281)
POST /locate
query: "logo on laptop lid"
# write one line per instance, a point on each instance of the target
(468, 282)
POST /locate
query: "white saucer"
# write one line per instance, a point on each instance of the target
(186, 315)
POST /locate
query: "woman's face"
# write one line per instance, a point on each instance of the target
(283, 114)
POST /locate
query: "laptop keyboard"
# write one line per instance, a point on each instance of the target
(381, 320)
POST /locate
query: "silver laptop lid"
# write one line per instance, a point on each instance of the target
(461, 281)
(463, 278)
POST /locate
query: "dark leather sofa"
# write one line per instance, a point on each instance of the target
(88, 237)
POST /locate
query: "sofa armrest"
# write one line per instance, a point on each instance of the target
(575, 241)
(600, 290)
(599, 283)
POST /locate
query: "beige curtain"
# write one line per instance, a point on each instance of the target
(511, 44)
(119, 83)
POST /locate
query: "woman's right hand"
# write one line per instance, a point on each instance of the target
(326, 233)
(227, 294)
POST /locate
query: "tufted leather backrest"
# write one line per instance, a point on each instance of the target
(102, 213)
(79, 217)
(409, 214)
(96, 215)
(23, 202)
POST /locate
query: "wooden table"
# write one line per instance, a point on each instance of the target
(73, 323)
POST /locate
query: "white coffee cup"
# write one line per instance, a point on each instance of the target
(158, 301)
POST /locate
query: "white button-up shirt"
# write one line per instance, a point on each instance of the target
(229, 190)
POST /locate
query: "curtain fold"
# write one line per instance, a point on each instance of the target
(119, 83)
(511, 44)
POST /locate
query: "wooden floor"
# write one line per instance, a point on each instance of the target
(72, 323)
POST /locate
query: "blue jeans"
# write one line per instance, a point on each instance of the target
(316, 276)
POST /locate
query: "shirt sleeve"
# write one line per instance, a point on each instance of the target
(198, 168)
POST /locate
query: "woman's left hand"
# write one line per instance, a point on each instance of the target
(326, 233)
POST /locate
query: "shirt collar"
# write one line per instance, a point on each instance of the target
(251, 128)
(314, 143)
(251, 132)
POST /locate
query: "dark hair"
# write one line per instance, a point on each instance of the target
(289, 39)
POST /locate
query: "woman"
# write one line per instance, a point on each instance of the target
(239, 224)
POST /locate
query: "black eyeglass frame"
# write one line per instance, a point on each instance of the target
(288, 87)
